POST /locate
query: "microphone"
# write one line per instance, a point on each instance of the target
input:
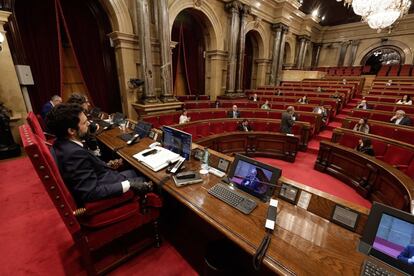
(258, 181)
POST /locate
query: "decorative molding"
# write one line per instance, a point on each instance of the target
(198, 3)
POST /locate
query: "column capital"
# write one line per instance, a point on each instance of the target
(4, 16)
(303, 38)
(318, 44)
(234, 6)
(245, 10)
(280, 27)
(355, 42)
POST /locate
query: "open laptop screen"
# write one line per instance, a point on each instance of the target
(254, 177)
(390, 235)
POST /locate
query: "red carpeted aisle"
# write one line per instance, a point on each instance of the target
(302, 171)
(35, 241)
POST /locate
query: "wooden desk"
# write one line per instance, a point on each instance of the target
(372, 178)
(255, 143)
(302, 244)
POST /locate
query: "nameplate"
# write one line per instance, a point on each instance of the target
(345, 217)
(304, 200)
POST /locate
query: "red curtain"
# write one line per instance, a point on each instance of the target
(39, 30)
(84, 25)
(190, 50)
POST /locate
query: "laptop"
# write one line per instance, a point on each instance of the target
(388, 241)
(142, 129)
(246, 178)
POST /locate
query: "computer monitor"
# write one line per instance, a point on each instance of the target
(143, 128)
(389, 237)
(177, 141)
(254, 177)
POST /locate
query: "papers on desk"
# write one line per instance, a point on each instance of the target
(159, 160)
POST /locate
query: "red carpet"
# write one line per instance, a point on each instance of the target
(302, 171)
(35, 241)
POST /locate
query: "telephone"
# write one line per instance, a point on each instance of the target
(185, 175)
(133, 139)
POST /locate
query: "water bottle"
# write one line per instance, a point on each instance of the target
(205, 159)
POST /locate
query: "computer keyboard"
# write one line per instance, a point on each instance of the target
(369, 268)
(233, 198)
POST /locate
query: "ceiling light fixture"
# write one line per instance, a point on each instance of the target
(379, 14)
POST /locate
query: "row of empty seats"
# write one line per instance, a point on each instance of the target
(344, 71)
(399, 133)
(397, 154)
(396, 70)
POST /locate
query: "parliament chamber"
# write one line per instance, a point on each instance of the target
(311, 89)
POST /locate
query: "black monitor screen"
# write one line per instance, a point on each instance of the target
(254, 177)
(177, 141)
(390, 234)
(143, 128)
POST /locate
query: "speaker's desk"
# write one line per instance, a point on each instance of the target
(302, 243)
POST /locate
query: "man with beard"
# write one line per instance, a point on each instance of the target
(87, 177)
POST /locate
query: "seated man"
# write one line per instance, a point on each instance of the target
(251, 179)
(320, 109)
(407, 255)
(87, 177)
(265, 105)
(254, 98)
(55, 100)
(400, 119)
(244, 126)
(363, 105)
(234, 113)
(90, 137)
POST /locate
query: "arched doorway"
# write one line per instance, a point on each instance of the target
(68, 50)
(189, 53)
(385, 55)
(251, 52)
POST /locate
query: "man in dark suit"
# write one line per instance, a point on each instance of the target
(87, 177)
(288, 120)
(400, 119)
(234, 113)
(55, 100)
(407, 255)
(245, 126)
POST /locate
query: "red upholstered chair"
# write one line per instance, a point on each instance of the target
(382, 130)
(203, 130)
(216, 127)
(381, 117)
(97, 224)
(398, 156)
(169, 119)
(379, 148)
(404, 135)
(154, 120)
(259, 126)
(36, 127)
(349, 140)
(230, 126)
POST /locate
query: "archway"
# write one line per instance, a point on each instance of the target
(251, 53)
(384, 55)
(189, 54)
(68, 51)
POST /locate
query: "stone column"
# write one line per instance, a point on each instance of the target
(285, 29)
(354, 48)
(299, 59)
(262, 69)
(245, 11)
(216, 65)
(234, 8)
(275, 54)
(315, 54)
(146, 53)
(305, 49)
(125, 46)
(165, 41)
(342, 53)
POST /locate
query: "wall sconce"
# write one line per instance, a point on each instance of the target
(1, 41)
(135, 83)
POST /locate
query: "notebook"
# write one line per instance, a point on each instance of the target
(159, 160)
